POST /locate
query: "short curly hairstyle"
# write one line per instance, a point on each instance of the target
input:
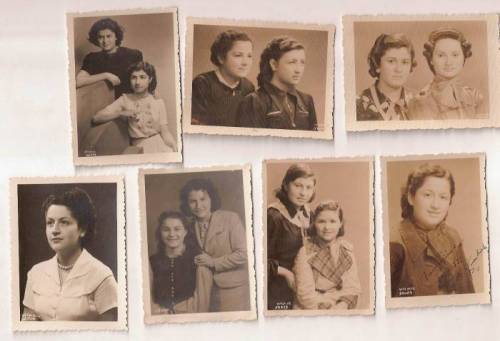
(199, 184)
(103, 24)
(295, 171)
(385, 42)
(416, 179)
(82, 208)
(444, 33)
(329, 205)
(149, 69)
(171, 215)
(223, 43)
(275, 50)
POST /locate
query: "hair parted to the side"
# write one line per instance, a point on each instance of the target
(329, 205)
(82, 208)
(199, 184)
(103, 24)
(149, 69)
(416, 179)
(274, 51)
(223, 43)
(385, 42)
(444, 33)
(295, 171)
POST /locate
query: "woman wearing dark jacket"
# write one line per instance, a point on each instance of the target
(277, 104)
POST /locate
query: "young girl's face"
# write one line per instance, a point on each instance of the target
(327, 225)
(238, 60)
(139, 81)
(395, 66)
(290, 67)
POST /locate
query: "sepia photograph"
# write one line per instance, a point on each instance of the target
(259, 78)
(125, 86)
(68, 254)
(420, 72)
(197, 245)
(319, 237)
(435, 230)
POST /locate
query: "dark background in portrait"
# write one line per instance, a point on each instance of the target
(153, 35)
(474, 73)
(33, 245)
(315, 43)
(464, 214)
(163, 193)
(349, 184)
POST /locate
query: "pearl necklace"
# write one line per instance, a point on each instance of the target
(65, 267)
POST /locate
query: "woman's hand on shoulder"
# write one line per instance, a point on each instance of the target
(113, 79)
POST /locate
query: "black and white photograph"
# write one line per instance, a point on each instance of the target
(420, 72)
(68, 254)
(197, 245)
(435, 230)
(251, 78)
(125, 87)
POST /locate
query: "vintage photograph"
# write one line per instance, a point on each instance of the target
(125, 86)
(435, 230)
(197, 245)
(259, 78)
(319, 237)
(420, 72)
(68, 253)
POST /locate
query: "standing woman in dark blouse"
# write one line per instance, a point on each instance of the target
(112, 62)
(277, 104)
(217, 94)
(288, 220)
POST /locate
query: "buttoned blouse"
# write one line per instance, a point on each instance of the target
(88, 291)
(373, 105)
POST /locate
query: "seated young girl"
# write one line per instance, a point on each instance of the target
(146, 115)
(325, 269)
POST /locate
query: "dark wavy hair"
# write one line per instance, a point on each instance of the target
(149, 69)
(103, 24)
(82, 208)
(416, 179)
(385, 42)
(199, 184)
(295, 171)
(444, 33)
(329, 205)
(171, 215)
(223, 43)
(275, 50)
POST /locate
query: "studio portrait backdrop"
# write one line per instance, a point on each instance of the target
(163, 193)
(349, 184)
(33, 245)
(474, 73)
(465, 212)
(315, 44)
(153, 35)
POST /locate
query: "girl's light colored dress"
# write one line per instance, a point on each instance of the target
(144, 127)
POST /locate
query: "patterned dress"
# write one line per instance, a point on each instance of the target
(373, 105)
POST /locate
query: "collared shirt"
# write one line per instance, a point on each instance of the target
(373, 105)
(89, 290)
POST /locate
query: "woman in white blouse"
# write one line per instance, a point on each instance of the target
(325, 269)
(72, 285)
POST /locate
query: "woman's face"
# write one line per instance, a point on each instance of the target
(200, 204)
(173, 233)
(448, 58)
(300, 191)
(139, 81)
(395, 66)
(238, 60)
(327, 225)
(431, 202)
(61, 229)
(107, 40)
(290, 67)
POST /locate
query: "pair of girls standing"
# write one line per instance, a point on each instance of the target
(391, 61)
(225, 97)
(310, 264)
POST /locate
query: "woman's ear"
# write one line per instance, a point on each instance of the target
(220, 59)
(409, 197)
(273, 64)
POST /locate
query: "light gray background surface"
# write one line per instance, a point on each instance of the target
(35, 140)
